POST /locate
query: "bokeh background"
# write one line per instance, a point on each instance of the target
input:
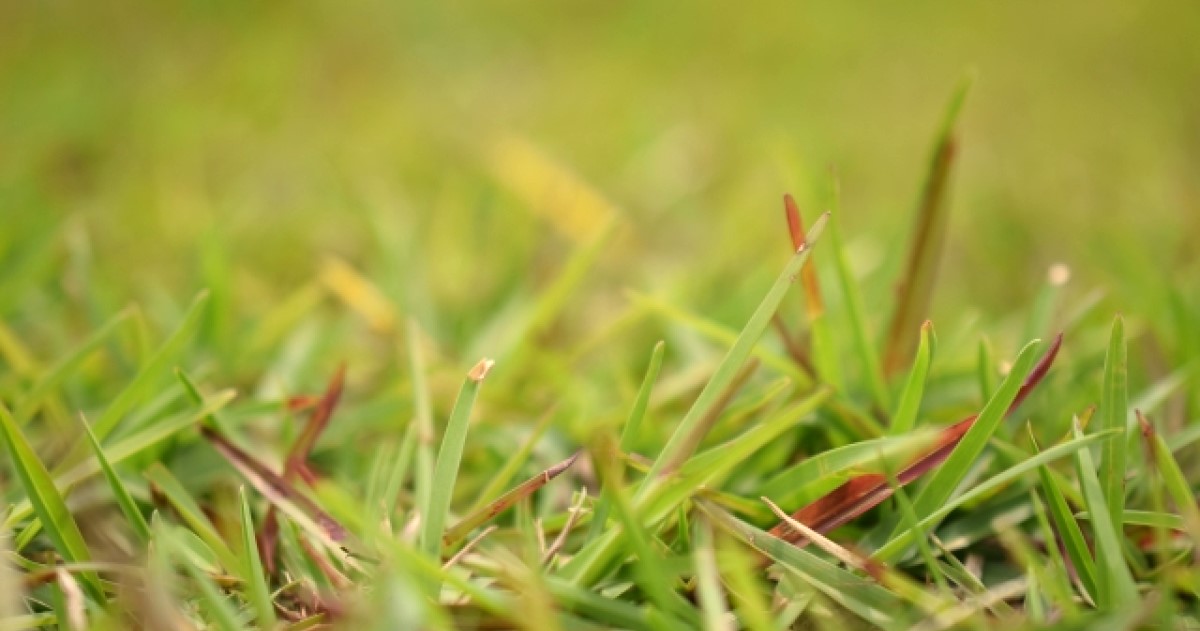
(150, 149)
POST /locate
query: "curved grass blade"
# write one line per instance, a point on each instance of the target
(449, 458)
(48, 504)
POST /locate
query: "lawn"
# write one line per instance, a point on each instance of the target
(599, 315)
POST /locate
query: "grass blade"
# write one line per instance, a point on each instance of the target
(260, 593)
(1068, 530)
(1113, 579)
(459, 531)
(824, 351)
(449, 457)
(630, 432)
(731, 365)
(914, 390)
(915, 289)
(903, 539)
(855, 312)
(48, 504)
(125, 501)
(1114, 407)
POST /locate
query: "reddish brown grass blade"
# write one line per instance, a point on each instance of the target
(808, 274)
(506, 501)
(296, 464)
(273, 486)
(865, 492)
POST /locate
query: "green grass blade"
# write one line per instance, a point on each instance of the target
(1114, 408)
(256, 579)
(855, 311)
(1113, 579)
(630, 432)
(449, 458)
(1068, 530)
(708, 579)
(905, 417)
(48, 504)
(859, 595)
(158, 364)
(732, 363)
(191, 513)
(947, 477)
(904, 538)
(125, 501)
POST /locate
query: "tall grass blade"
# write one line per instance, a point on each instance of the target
(448, 460)
(1114, 582)
(915, 290)
(1114, 408)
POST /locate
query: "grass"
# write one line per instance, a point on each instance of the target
(700, 414)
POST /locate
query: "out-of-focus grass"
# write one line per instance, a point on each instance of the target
(408, 187)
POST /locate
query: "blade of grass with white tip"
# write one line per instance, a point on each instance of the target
(732, 363)
(160, 362)
(630, 432)
(905, 417)
(1114, 406)
(55, 375)
(903, 539)
(125, 501)
(1113, 580)
(255, 576)
(449, 458)
(48, 504)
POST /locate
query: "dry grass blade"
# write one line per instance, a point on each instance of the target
(864, 492)
(464, 527)
(915, 289)
(297, 459)
(277, 490)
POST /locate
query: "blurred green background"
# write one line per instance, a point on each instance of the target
(157, 146)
